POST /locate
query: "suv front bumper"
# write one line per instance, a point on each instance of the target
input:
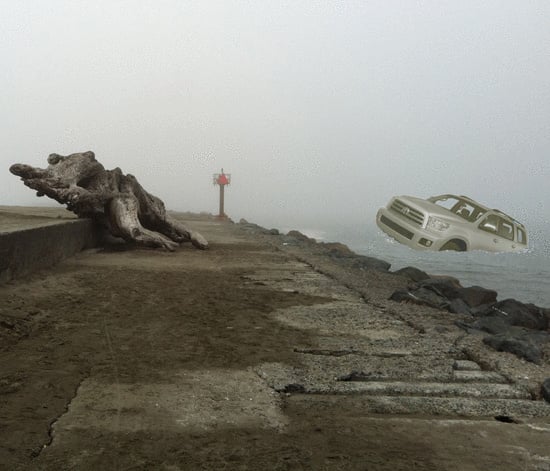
(407, 233)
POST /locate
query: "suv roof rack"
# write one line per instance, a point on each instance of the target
(508, 216)
(502, 213)
(471, 200)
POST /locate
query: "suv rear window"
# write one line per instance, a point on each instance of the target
(496, 225)
(522, 238)
(506, 229)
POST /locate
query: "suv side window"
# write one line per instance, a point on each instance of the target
(465, 211)
(496, 225)
(490, 224)
(506, 229)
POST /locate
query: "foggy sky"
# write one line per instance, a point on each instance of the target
(321, 111)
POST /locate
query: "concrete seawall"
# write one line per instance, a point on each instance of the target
(35, 238)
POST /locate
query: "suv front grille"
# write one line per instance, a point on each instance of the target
(396, 227)
(407, 212)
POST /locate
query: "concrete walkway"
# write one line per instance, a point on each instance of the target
(250, 355)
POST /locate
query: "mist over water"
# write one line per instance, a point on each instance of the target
(523, 276)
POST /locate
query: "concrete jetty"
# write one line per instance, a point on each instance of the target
(259, 353)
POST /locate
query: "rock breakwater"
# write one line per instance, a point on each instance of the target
(504, 325)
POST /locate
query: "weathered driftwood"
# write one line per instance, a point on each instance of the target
(116, 201)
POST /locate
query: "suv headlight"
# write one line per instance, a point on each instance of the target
(437, 224)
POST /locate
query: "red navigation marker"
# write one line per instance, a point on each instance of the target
(222, 179)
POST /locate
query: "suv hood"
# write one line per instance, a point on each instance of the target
(425, 206)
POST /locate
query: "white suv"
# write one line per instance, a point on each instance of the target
(450, 222)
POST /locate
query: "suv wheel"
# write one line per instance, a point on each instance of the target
(456, 245)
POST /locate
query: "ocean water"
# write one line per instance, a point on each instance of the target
(523, 276)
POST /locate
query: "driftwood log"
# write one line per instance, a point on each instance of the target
(116, 201)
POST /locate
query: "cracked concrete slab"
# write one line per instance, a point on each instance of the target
(199, 400)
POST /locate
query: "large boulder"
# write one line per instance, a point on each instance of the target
(294, 234)
(444, 287)
(370, 263)
(412, 273)
(513, 327)
(476, 296)
(337, 249)
(458, 306)
(342, 253)
(516, 313)
(422, 296)
(444, 293)
(256, 229)
(526, 345)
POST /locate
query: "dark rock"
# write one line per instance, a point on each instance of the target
(513, 326)
(479, 310)
(289, 241)
(491, 325)
(299, 236)
(434, 292)
(521, 341)
(458, 306)
(451, 279)
(370, 263)
(521, 347)
(545, 389)
(467, 327)
(255, 228)
(443, 293)
(431, 297)
(476, 295)
(516, 313)
(443, 287)
(412, 273)
(420, 296)
(401, 295)
(338, 250)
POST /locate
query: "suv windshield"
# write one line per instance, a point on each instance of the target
(459, 206)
